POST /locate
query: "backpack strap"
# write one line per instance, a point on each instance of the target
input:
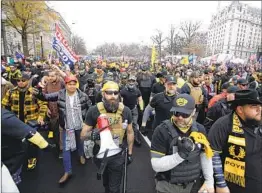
(120, 109)
(190, 85)
(101, 108)
(171, 130)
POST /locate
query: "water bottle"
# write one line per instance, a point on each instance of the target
(125, 124)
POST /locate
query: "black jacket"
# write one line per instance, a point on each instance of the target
(220, 109)
(13, 132)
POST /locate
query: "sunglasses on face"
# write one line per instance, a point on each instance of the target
(243, 84)
(109, 92)
(21, 80)
(178, 114)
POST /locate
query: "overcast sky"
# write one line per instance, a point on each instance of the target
(132, 21)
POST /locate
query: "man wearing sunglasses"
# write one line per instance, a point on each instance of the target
(242, 84)
(21, 101)
(161, 102)
(180, 150)
(120, 120)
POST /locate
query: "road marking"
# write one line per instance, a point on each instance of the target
(147, 140)
(145, 137)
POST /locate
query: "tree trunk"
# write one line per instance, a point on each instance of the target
(25, 44)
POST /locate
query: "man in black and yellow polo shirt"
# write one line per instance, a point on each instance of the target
(180, 151)
(21, 101)
(236, 140)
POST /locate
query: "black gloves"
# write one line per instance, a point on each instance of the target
(185, 146)
(143, 130)
(95, 135)
(129, 159)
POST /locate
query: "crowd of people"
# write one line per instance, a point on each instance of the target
(207, 134)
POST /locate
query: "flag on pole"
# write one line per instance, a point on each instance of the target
(153, 58)
(19, 55)
(60, 44)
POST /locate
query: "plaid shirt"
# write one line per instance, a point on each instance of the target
(33, 108)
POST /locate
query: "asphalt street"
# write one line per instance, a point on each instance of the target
(44, 179)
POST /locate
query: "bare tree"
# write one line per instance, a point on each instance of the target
(144, 53)
(123, 49)
(178, 45)
(189, 29)
(78, 45)
(158, 39)
(173, 46)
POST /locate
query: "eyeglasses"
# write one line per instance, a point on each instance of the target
(184, 115)
(21, 80)
(109, 92)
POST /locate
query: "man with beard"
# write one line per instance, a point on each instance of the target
(21, 101)
(193, 88)
(131, 97)
(180, 150)
(161, 102)
(118, 116)
(236, 141)
(55, 84)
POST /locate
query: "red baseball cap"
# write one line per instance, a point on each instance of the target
(70, 78)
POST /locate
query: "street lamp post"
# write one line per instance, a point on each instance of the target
(42, 48)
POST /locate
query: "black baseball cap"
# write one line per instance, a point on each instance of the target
(183, 103)
(242, 81)
(171, 78)
(232, 89)
(225, 85)
(25, 76)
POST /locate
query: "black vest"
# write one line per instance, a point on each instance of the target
(190, 169)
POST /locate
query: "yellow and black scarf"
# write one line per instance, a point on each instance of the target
(234, 165)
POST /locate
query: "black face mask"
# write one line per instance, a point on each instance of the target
(91, 84)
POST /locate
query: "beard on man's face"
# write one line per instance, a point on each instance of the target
(196, 82)
(111, 105)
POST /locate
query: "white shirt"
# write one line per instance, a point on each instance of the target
(71, 103)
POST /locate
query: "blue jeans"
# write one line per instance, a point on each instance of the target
(67, 153)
